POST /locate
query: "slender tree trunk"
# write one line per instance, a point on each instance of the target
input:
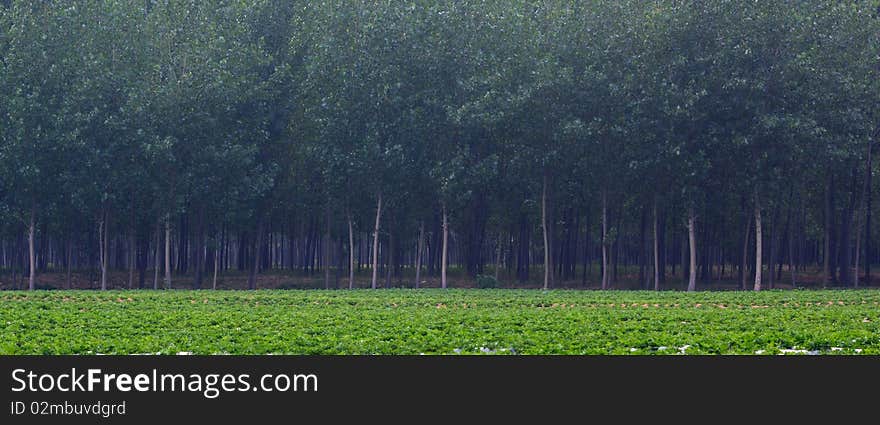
(105, 254)
(745, 252)
(774, 247)
(16, 257)
(547, 265)
(792, 264)
(616, 248)
(656, 252)
(758, 242)
(826, 260)
(69, 283)
(340, 254)
(573, 252)
(158, 258)
(845, 248)
(216, 266)
(498, 254)
(101, 251)
(692, 242)
(781, 240)
(683, 258)
(861, 213)
(41, 251)
(419, 248)
(389, 257)
(32, 260)
(350, 253)
(132, 256)
(376, 242)
(604, 239)
(327, 243)
(588, 263)
(167, 252)
(199, 252)
(662, 243)
(869, 177)
(856, 262)
(642, 254)
(444, 254)
(258, 245)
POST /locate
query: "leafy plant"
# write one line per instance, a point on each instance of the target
(486, 281)
(431, 321)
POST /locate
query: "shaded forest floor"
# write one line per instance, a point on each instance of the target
(627, 279)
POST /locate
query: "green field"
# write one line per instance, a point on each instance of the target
(440, 322)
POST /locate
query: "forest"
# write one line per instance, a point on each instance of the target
(662, 144)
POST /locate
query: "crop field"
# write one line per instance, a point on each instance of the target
(440, 322)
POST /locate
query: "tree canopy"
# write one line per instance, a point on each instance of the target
(714, 137)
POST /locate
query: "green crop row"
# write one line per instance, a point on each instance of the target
(440, 322)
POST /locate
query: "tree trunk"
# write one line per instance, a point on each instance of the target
(869, 177)
(419, 249)
(656, 252)
(826, 260)
(573, 252)
(547, 265)
(522, 249)
(132, 253)
(376, 242)
(158, 258)
(604, 239)
(167, 252)
(69, 283)
(142, 258)
(745, 252)
(498, 255)
(216, 266)
(774, 250)
(683, 258)
(444, 254)
(616, 248)
(41, 252)
(758, 242)
(350, 253)
(18, 259)
(692, 242)
(856, 260)
(861, 213)
(389, 257)
(327, 243)
(258, 244)
(780, 240)
(846, 231)
(663, 240)
(32, 260)
(642, 255)
(792, 264)
(199, 252)
(103, 233)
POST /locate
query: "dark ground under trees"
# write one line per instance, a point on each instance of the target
(285, 279)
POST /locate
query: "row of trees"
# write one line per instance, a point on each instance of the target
(711, 139)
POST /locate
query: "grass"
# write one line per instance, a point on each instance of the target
(431, 321)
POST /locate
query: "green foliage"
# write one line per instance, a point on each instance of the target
(234, 113)
(486, 281)
(439, 322)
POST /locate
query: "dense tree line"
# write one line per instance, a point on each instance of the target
(560, 141)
